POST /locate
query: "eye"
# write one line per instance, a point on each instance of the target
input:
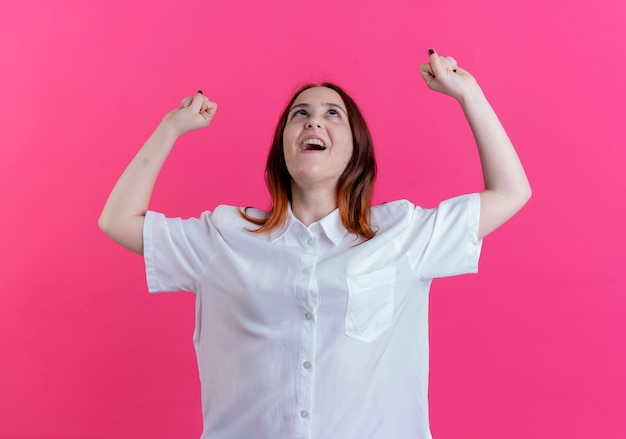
(300, 112)
(333, 113)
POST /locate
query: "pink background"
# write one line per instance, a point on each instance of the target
(531, 347)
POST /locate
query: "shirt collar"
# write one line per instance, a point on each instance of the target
(331, 225)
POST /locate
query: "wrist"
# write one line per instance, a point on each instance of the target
(167, 132)
(471, 96)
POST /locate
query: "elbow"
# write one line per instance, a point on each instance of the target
(523, 196)
(527, 193)
(519, 193)
(519, 198)
(513, 197)
(104, 223)
(126, 231)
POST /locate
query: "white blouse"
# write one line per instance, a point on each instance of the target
(313, 332)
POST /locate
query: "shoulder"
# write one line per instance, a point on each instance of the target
(403, 213)
(397, 207)
(223, 217)
(392, 214)
(234, 216)
(405, 207)
(234, 220)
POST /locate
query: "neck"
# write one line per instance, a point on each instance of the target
(312, 205)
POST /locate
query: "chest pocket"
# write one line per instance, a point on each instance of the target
(370, 304)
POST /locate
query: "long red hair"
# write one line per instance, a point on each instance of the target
(354, 187)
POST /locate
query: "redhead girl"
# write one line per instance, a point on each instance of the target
(311, 318)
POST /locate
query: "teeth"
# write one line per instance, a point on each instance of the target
(316, 142)
(313, 142)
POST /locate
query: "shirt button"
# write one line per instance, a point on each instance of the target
(306, 365)
(308, 316)
(304, 414)
(307, 270)
(311, 242)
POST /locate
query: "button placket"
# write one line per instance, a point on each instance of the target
(308, 293)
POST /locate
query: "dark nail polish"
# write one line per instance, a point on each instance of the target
(200, 91)
(431, 51)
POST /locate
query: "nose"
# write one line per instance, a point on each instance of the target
(313, 123)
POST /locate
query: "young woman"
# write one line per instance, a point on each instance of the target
(311, 319)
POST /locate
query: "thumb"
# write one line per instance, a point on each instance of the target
(197, 102)
(435, 63)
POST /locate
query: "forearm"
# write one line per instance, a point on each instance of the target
(124, 212)
(125, 209)
(506, 186)
(501, 167)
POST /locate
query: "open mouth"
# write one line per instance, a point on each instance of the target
(313, 145)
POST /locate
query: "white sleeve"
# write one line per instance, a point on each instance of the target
(176, 251)
(452, 246)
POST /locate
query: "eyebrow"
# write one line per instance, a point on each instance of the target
(328, 104)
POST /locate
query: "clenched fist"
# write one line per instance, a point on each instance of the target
(442, 74)
(195, 112)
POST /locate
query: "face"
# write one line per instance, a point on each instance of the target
(317, 140)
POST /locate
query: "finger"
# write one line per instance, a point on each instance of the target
(453, 63)
(211, 107)
(461, 71)
(435, 63)
(448, 63)
(208, 109)
(189, 99)
(186, 102)
(197, 102)
(427, 72)
(205, 102)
